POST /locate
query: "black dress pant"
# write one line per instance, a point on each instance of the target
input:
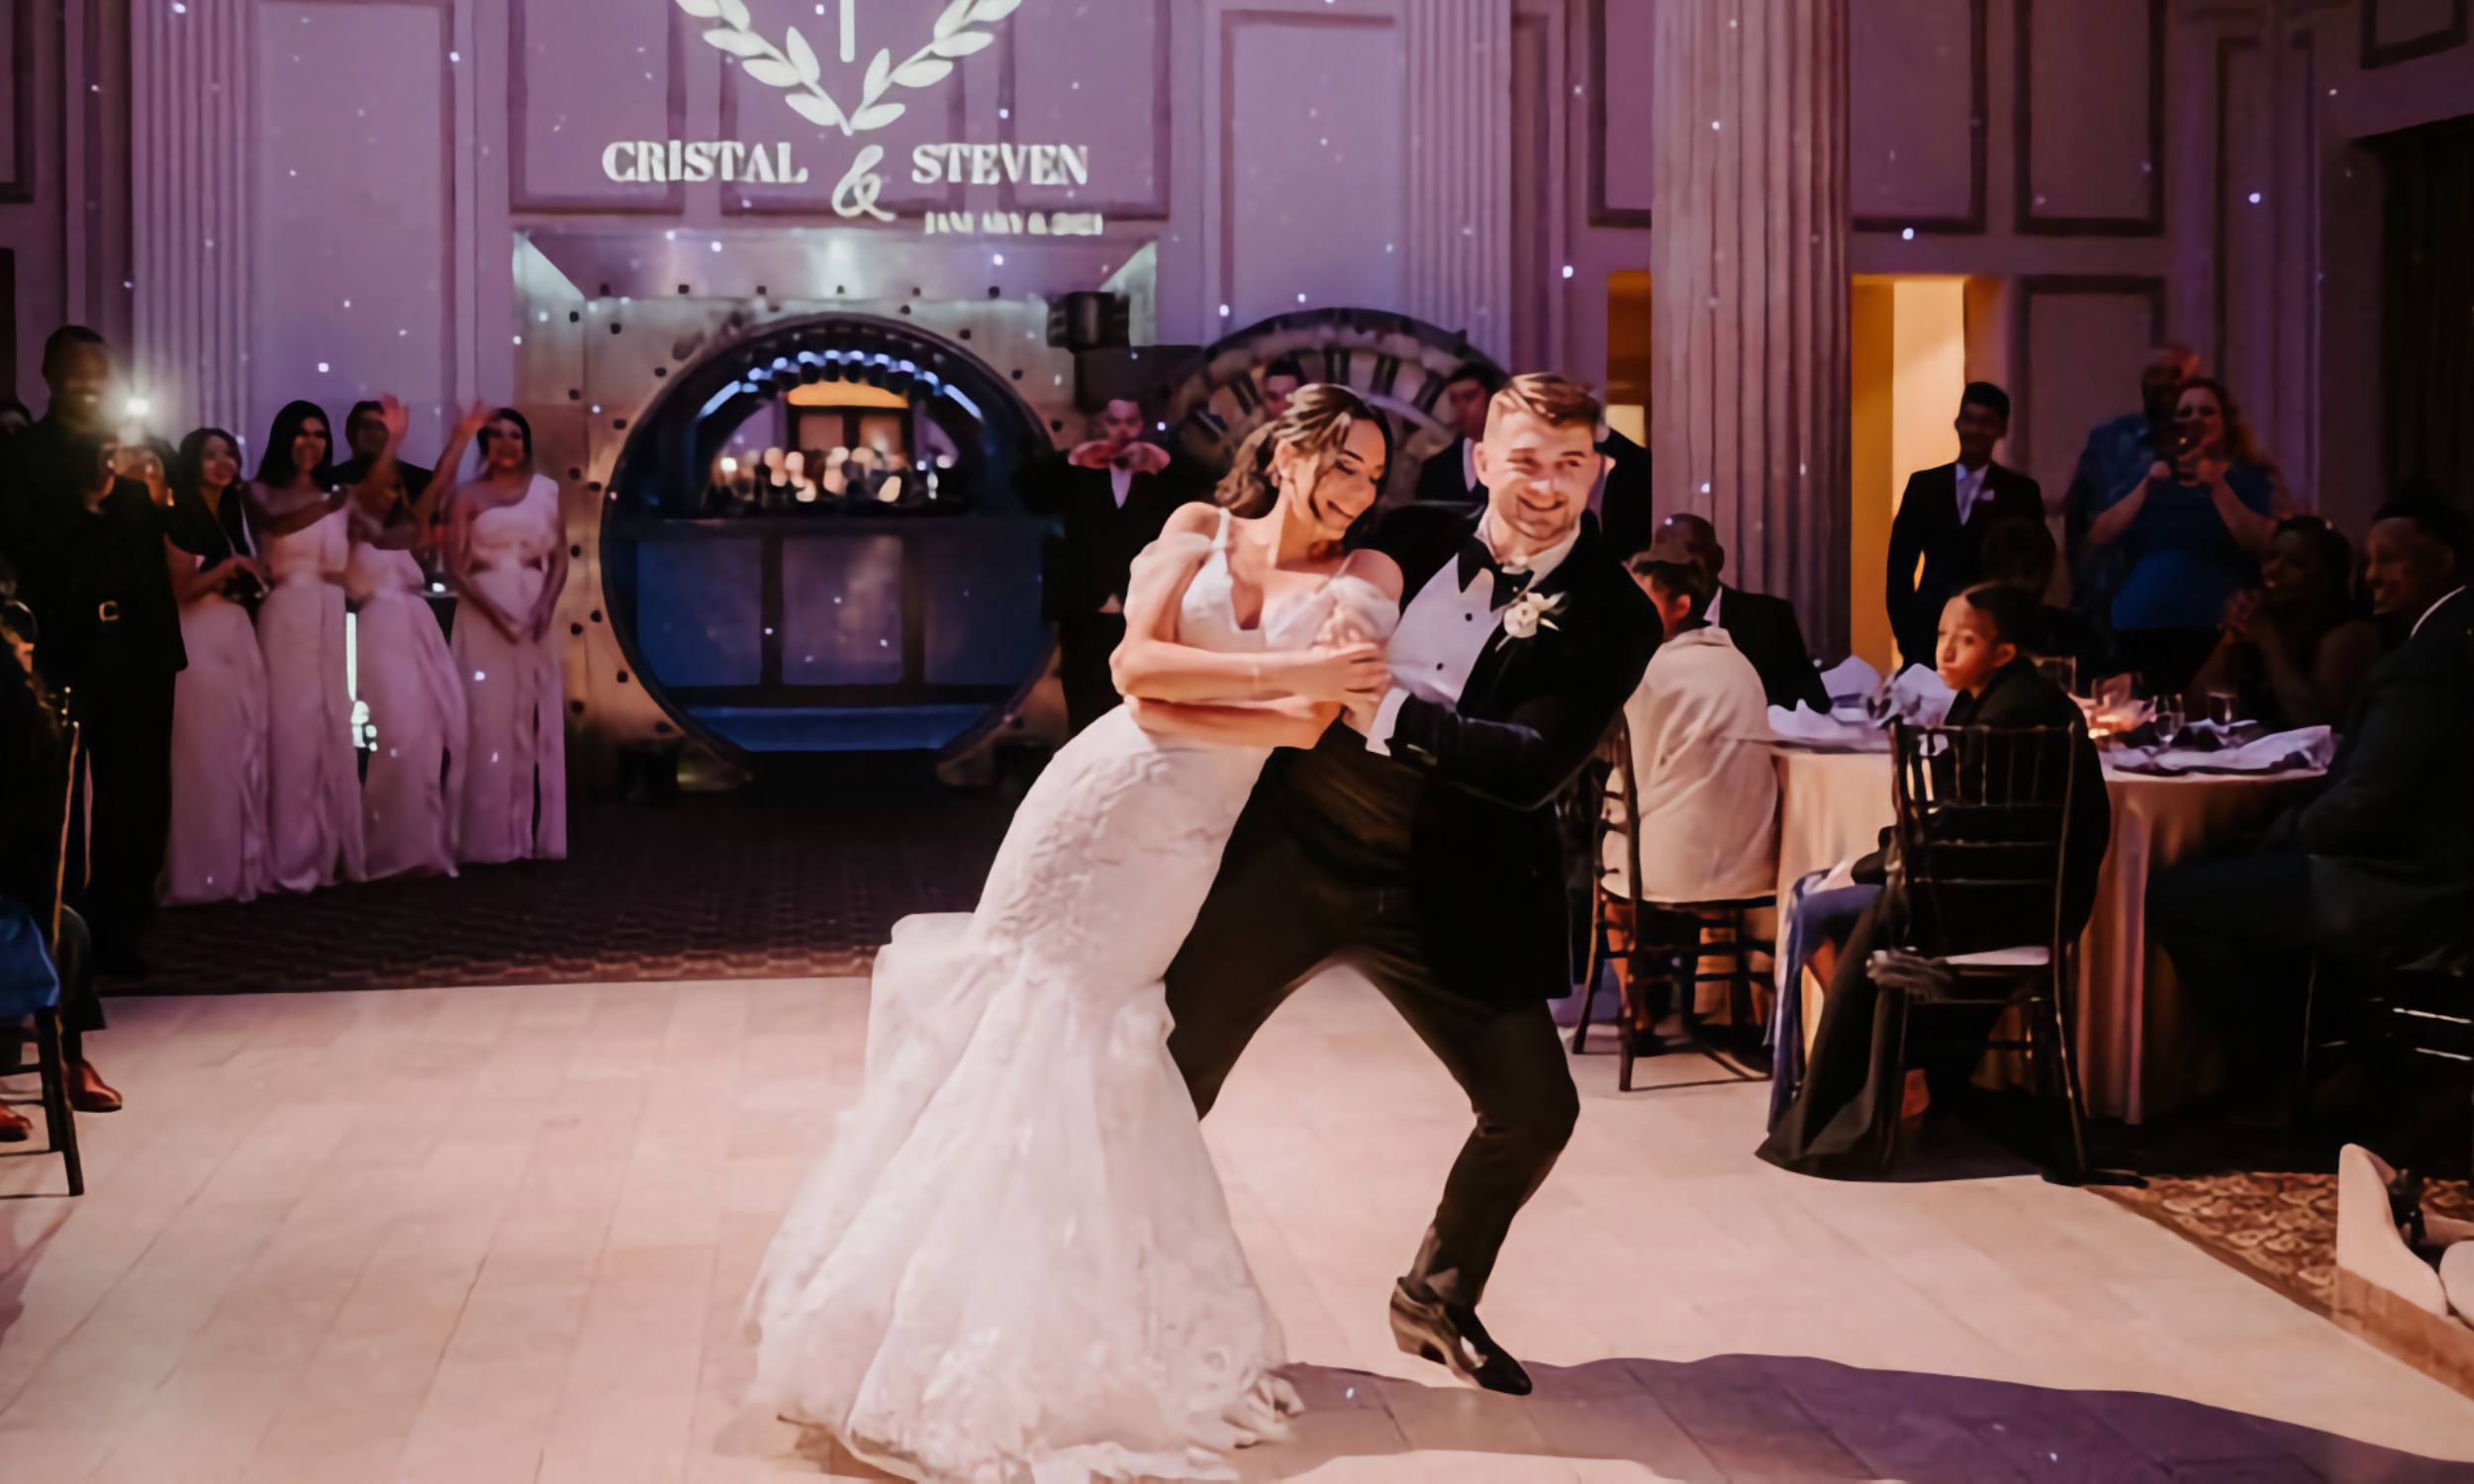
(1276, 914)
(1084, 643)
(2238, 931)
(125, 723)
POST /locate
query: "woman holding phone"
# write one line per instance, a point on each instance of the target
(2194, 533)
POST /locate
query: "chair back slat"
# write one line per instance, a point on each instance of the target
(1982, 830)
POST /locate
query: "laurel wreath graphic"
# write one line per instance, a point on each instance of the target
(794, 67)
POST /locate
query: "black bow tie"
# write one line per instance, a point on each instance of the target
(1476, 558)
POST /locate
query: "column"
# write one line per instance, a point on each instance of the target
(190, 145)
(1457, 265)
(1749, 421)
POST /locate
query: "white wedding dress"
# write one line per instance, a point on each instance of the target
(1015, 1264)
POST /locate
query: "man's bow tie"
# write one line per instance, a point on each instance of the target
(1509, 581)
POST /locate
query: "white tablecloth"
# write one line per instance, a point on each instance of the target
(2141, 1048)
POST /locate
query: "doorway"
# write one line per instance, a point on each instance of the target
(2426, 307)
(1907, 344)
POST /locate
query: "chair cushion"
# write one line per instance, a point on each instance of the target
(2025, 957)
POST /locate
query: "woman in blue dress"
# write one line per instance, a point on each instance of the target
(2192, 532)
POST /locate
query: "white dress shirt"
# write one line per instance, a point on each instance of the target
(1469, 464)
(1443, 631)
(1709, 615)
(1970, 487)
(1120, 483)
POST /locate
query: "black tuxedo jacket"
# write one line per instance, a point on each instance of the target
(1440, 481)
(2391, 832)
(1928, 526)
(1767, 632)
(1460, 811)
(1090, 559)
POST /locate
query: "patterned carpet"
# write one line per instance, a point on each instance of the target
(2280, 1227)
(777, 882)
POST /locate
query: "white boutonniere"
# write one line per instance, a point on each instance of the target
(1530, 613)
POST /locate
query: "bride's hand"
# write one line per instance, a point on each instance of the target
(1340, 673)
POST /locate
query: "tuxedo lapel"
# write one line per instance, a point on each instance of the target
(1503, 653)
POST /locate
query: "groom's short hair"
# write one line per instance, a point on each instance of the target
(1557, 400)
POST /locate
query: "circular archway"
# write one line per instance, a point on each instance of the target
(811, 544)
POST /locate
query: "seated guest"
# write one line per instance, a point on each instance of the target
(31, 755)
(1936, 542)
(1763, 628)
(1451, 475)
(2294, 652)
(1704, 785)
(1832, 1124)
(2192, 534)
(2020, 554)
(2379, 864)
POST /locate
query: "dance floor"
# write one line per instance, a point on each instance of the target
(502, 1234)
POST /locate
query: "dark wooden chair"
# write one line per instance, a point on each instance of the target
(40, 1005)
(1983, 825)
(1618, 814)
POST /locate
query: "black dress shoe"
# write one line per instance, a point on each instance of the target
(1451, 1335)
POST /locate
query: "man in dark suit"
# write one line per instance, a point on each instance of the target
(2378, 866)
(1420, 843)
(1765, 628)
(88, 547)
(1936, 542)
(1109, 498)
(1450, 476)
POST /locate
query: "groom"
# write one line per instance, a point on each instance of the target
(1423, 849)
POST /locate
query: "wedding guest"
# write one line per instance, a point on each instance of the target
(14, 418)
(1763, 628)
(507, 554)
(218, 848)
(1451, 474)
(1937, 539)
(2294, 652)
(413, 794)
(1854, 1086)
(2020, 554)
(1621, 501)
(1281, 381)
(2115, 461)
(1703, 780)
(33, 760)
(365, 433)
(2192, 533)
(314, 810)
(2378, 866)
(1110, 495)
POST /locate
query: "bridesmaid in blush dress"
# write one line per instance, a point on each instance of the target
(218, 847)
(314, 777)
(412, 801)
(508, 556)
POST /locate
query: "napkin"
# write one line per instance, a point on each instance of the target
(2309, 749)
(1805, 727)
(1919, 698)
(1850, 680)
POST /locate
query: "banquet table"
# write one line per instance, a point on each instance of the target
(2141, 1049)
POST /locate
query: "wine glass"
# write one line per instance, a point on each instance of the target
(2225, 708)
(2167, 718)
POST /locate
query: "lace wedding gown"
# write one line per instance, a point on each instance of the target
(1015, 1261)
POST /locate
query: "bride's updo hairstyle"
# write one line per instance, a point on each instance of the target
(1317, 423)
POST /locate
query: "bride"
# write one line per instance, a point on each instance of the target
(1015, 1259)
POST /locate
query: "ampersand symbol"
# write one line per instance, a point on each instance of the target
(856, 194)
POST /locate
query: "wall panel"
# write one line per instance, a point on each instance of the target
(1092, 72)
(17, 120)
(1916, 125)
(580, 75)
(1622, 178)
(1312, 162)
(2245, 250)
(354, 289)
(2080, 345)
(2090, 116)
(2395, 31)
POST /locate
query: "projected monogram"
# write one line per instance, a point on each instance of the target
(962, 29)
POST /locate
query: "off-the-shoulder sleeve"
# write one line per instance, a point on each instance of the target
(1368, 607)
(1164, 563)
